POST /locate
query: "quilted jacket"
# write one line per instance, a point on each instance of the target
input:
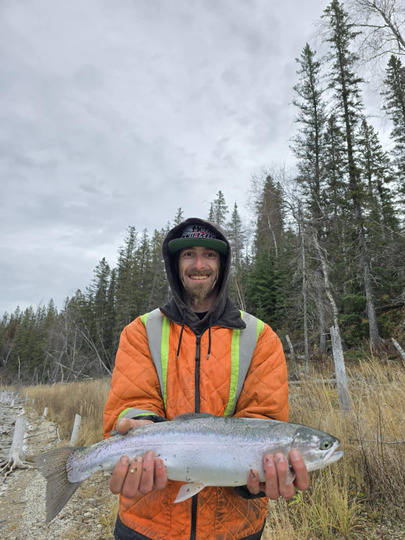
(198, 380)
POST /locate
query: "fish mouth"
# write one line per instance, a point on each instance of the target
(331, 456)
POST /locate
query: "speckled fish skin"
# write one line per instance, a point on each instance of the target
(200, 450)
(213, 450)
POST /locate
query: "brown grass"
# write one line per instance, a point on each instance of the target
(346, 500)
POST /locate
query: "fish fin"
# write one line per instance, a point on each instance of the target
(52, 465)
(193, 416)
(189, 490)
(289, 479)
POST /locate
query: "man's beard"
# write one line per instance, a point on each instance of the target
(196, 295)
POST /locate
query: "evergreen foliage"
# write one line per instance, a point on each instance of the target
(339, 237)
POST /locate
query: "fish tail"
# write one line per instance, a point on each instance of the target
(52, 465)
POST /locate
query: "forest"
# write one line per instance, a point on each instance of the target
(323, 248)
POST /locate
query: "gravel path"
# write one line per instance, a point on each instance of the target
(88, 515)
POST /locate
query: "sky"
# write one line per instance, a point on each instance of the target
(116, 114)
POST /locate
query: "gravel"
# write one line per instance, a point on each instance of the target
(88, 515)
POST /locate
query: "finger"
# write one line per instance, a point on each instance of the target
(253, 483)
(148, 473)
(286, 490)
(160, 474)
(271, 477)
(118, 476)
(301, 474)
(133, 478)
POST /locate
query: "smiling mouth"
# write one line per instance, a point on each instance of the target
(198, 277)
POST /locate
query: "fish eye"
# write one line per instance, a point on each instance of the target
(325, 445)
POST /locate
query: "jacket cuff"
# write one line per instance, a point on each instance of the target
(245, 493)
(140, 414)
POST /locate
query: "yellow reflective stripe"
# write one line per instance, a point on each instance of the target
(164, 354)
(144, 318)
(234, 372)
(259, 328)
(123, 413)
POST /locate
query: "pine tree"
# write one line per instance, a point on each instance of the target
(346, 87)
(237, 238)
(309, 144)
(127, 281)
(270, 218)
(395, 108)
(179, 217)
(218, 210)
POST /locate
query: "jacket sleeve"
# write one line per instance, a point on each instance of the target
(135, 389)
(265, 390)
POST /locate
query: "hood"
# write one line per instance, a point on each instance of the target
(223, 311)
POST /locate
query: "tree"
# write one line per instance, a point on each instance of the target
(179, 217)
(218, 210)
(345, 84)
(309, 144)
(381, 22)
(237, 237)
(269, 216)
(394, 96)
(127, 280)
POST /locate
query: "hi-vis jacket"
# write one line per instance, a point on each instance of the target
(170, 362)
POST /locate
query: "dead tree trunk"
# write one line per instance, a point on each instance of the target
(337, 349)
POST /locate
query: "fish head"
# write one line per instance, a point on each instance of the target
(317, 448)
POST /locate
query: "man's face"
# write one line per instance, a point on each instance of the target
(199, 271)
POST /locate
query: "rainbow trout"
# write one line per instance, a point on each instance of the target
(201, 450)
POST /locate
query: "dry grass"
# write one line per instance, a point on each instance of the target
(346, 500)
(64, 401)
(354, 496)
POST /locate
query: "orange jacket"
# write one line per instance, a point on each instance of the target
(197, 379)
(222, 512)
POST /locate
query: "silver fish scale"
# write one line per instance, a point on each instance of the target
(212, 450)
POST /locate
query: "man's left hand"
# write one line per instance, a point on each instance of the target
(275, 471)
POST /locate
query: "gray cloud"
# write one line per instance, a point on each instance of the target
(117, 113)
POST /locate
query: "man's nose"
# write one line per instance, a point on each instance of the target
(199, 262)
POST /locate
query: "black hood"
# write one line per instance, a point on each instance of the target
(223, 311)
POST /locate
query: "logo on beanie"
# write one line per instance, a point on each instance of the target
(198, 231)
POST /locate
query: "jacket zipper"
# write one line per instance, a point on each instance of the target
(193, 532)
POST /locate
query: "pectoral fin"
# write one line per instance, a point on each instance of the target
(188, 490)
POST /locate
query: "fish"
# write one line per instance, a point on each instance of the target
(197, 449)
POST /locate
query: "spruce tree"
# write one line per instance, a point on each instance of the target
(345, 84)
(394, 95)
(309, 144)
(218, 210)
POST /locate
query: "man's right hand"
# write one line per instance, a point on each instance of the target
(141, 475)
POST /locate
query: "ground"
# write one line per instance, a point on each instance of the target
(88, 515)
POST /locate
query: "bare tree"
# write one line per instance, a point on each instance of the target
(382, 25)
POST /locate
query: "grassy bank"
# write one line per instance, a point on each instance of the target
(361, 496)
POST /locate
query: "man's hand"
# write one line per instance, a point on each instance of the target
(141, 475)
(275, 470)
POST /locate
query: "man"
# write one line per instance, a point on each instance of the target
(198, 353)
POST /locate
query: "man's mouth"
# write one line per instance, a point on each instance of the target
(198, 277)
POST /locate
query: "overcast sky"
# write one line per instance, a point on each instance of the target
(116, 113)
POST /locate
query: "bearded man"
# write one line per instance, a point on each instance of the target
(190, 356)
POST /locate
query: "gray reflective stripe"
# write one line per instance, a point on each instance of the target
(243, 346)
(247, 339)
(154, 329)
